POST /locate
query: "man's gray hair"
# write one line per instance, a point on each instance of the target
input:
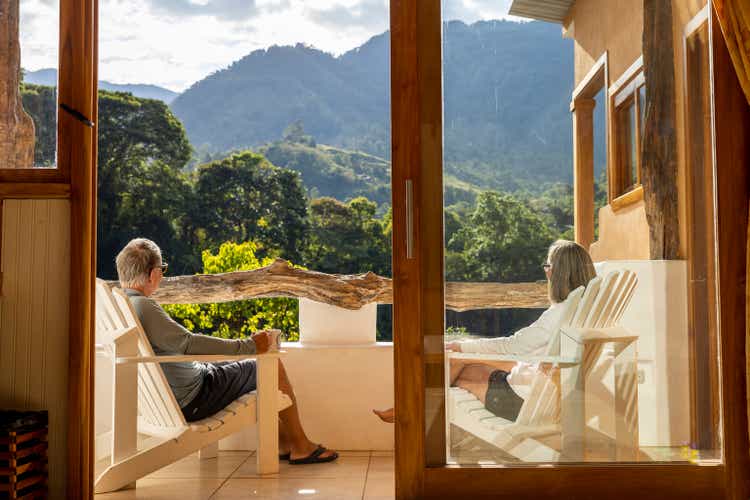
(135, 262)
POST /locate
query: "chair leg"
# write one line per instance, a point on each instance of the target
(268, 415)
(209, 451)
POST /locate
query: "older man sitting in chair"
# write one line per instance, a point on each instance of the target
(203, 389)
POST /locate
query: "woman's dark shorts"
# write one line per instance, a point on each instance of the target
(222, 384)
(501, 399)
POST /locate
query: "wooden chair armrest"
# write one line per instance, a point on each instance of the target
(561, 361)
(593, 335)
(206, 358)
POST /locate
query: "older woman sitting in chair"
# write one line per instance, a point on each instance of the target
(502, 389)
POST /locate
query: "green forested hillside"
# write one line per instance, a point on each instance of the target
(507, 87)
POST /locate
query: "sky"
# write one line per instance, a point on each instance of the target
(174, 43)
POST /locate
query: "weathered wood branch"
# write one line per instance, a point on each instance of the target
(659, 141)
(348, 291)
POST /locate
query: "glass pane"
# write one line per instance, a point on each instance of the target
(236, 133)
(626, 146)
(31, 134)
(601, 188)
(561, 353)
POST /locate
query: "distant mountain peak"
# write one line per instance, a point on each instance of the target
(48, 76)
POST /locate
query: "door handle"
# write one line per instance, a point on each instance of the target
(409, 219)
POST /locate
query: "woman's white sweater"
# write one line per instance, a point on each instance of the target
(531, 340)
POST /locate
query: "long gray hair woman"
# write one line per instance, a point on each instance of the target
(502, 386)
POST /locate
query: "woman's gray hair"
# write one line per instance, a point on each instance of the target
(135, 262)
(571, 267)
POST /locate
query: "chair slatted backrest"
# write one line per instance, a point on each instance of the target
(541, 406)
(600, 305)
(631, 280)
(114, 315)
(158, 404)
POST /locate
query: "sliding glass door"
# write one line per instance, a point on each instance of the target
(527, 364)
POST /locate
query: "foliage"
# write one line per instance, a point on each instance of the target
(243, 317)
(506, 90)
(502, 241)
(347, 238)
(40, 102)
(245, 198)
(327, 171)
(142, 189)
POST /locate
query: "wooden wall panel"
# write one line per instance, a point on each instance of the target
(34, 318)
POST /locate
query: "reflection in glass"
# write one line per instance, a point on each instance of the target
(34, 136)
(598, 371)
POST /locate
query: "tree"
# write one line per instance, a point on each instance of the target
(503, 241)
(295, 133)
(245, 198)
(348, 238)
(41, 103)
(142, 189)
(243, 317)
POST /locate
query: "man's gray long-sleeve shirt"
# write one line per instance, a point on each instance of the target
(168, 337)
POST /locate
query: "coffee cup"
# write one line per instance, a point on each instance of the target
(274, 337)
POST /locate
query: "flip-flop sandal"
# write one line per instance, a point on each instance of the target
(315, 457)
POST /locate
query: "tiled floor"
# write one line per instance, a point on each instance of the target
(355, 475)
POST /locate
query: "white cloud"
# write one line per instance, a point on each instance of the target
(174, 43)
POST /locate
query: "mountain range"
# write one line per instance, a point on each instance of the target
(506, 89)
(507, 125)
(48, 76)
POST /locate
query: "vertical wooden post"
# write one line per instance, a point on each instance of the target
(76, 154)
(659, 141)
(583, 175)
(268, 414)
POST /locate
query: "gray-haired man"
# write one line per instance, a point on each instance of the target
(202, 389)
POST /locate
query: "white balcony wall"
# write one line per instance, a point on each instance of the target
(658, 315)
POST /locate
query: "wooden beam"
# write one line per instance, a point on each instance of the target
(76, 155)
(348, 291)
(24, 190)
(659, 143)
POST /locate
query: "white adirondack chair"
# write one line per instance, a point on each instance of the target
(556, 403)
(143, 402)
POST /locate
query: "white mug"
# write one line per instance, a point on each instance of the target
(274, 340)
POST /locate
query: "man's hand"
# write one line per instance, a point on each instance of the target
(262, 341)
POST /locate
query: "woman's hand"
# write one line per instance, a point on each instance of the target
(453, 346)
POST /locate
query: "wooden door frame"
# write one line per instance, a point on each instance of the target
(77, 88)
(416, 107)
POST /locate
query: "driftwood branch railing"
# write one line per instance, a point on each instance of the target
(347, 291)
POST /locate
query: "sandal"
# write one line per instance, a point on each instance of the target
(315, 457)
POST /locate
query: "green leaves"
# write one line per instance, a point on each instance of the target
(502, 241)
(240, 318)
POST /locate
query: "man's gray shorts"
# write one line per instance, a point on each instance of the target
(222, 384)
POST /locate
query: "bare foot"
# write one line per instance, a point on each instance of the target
(388, 416)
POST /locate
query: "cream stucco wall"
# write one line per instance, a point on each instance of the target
(617, 29)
